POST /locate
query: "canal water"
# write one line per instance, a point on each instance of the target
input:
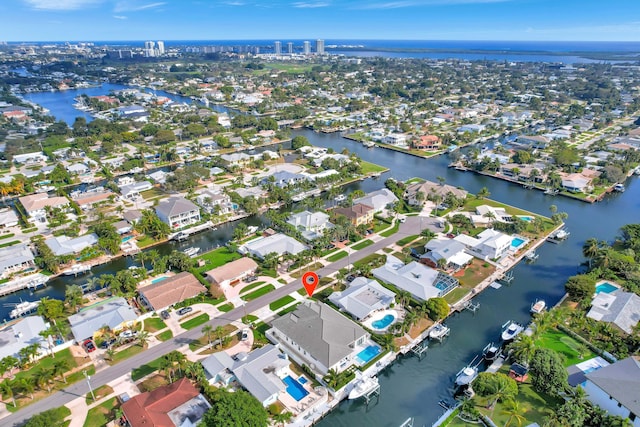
(412, 388)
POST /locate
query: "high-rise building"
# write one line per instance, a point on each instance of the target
(149, 45)
(290, 48)
(278, 48)
(160, 47)
(320, 47)
(306, 48)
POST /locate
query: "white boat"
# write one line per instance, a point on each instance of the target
(538, 306)
(192, 251)
(76, 269)
(491, 352)
(439, 331)
(24, 307)
(619, 187)
(363, 386)
(510, 330)
(466, 375)
(369, 144)
(340, 198)
(558, 236)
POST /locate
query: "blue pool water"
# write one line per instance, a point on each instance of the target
(384, 322)
(302, 380)
(368, 353)
(158, 279)
(294, 388)
(442, 286)
(526, 218)
(126, 239)
(605, 287)
(517, 242)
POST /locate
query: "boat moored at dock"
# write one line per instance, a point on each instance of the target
(510, 330)
(491, 352)
(538, 306)
(439, 332)
(24, 307)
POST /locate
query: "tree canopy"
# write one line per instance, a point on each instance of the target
(238, 409)
(548, 372)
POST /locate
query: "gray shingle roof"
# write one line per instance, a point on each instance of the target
(362, 297)
(321, 331)
(619, 307)
(175, 206)
(112, 313)
(621, 381)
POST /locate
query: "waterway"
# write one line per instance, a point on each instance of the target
(412, 388)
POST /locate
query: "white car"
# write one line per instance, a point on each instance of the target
(244, 335)
(128, 334)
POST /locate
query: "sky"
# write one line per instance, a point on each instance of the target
(534, 20)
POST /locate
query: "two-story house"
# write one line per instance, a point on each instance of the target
(311, 225)
(178, 212)
(357, 214)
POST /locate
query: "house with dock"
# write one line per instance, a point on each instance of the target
(170, 290)
(279, 244)
(14, 259)
(65, 245)
(178, 212)
(363, 297)
(21, 334)
(429, 189)
(310, 224)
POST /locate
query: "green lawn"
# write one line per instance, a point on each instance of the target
(226, 307)
(258, 293)
(102, 414)
(407, 240)
(337, 256)
(146, 369)
(195, 321)
(247, 288)
(363, 244)
(368, 259)
(154, 324)
(565, 345)
(216, 258)
(287, 299)
(152, 193)
(166, 335)
(391, 231)
(368, 168)
(126, 353)
(455, 295)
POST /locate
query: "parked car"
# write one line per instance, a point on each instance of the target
(250, 279)
(350, 278)
(184, 310)
(88, 345)
(128, 334)
(164, 314)
(107, 343)
(244, 335)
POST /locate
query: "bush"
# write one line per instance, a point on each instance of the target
(580, 287)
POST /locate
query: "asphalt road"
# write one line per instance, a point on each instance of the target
(413, 225)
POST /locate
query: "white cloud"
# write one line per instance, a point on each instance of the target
(310, 5)
(120, 17)
(61, 4)
(234, 3)
(416, 3)
(134, 6)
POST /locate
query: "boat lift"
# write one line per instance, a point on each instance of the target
(531, 256)
(469, 305)
(420, 349)
(508, 277)
(407, 423)
(368, 396)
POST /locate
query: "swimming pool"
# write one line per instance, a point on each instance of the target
(302, 380)
(294, 388)
(525, 218)
(158, 279)
(606, 287)
(367, 354)
(126, 239)
(517, 242)
(383, 322)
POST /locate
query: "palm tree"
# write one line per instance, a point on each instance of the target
(490, 216)
(6, 388)
(26, 385)
(282, 418)
(590, 249)
(219, 331)
(110, 353)
(143, 338)
(523, 348)
(207, 329)
(513, 409)
(332, 378)
(59, 367)
(44, 378)
(483, 193)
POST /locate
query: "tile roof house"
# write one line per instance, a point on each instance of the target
(21, 334)
(15, 258)
(278, 243)
(357, 214)
(428, 188)
(378, 200)
(115, 313)
(172, 290)
(311, 225)
(362, 297)
(235, 159)
(232, 272)
(615, 389)
(260, 372)
(64, 245)
(318, 336)
(87, 200)
(451, 251)
(427, 142)
(576, 182)
(35, 204)
(419, 280)
(179, 404)
(178, 212)
(620, 308)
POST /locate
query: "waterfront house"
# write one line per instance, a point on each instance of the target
(178, 404)
(232, 273)
(619, 308)
(123, 227)
(235, 160)
(259, 372)
(78, 169)
(35, 205)
(615, 389)
(178, 212)
(427, 143)
(396, 139)
(534, 141)
(132, 191)
(490, 244)
(132, 216)
(575, 182)
(114, 313)
(278, 243)
(318, 336)
(8, 218)
(473, 128)
(311, 225)
(87, 200)
(208, 199)
(21, 334)
(285, 178)
(421, 281)
(379, 200)
(363, 297)
(65, 245)
(450, 251)
(431, 189)
(172, 290)
(14, 259)
(30, 158)
(256, 192)
(357, 214)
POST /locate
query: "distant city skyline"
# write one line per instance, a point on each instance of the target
(509, 20)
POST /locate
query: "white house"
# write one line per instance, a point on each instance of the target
(378, 200)
(278, 243)
(21, 334)
(132, 191)
(208, 199)
(28, 158)
(64, 245)
(35, 205)
(619, 308)
(178, 212)
(363, 297)
(396, 139)
(8, 218)
(490, 244)
(616, 388)
(311, 225)
(15, 258)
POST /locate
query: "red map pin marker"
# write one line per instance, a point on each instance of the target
(310, 281)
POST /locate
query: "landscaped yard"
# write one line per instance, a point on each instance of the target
(154, 324)
(368, 168)
(287, 299)
(407, 240)
(195, 321)
(363, 244)
(475, 273)
(146, 369)
(226, 307)
(126, 353)
(391, 231)
(337, 256)
(565, 345)
(204, 340)
(216, 258)
(166, 335)
(102, 414)
(100, 392)
(258, 293)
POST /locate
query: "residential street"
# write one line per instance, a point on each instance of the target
(413, 225)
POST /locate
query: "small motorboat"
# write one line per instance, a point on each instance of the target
(76, 269)
(510, 330)
(23, 307)
(369, 144)
(619, 187)
(467, 374)
(491, 352)
(192, 251)
(340, 198)
(363, 386)
(538, 306)
(439, 331)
